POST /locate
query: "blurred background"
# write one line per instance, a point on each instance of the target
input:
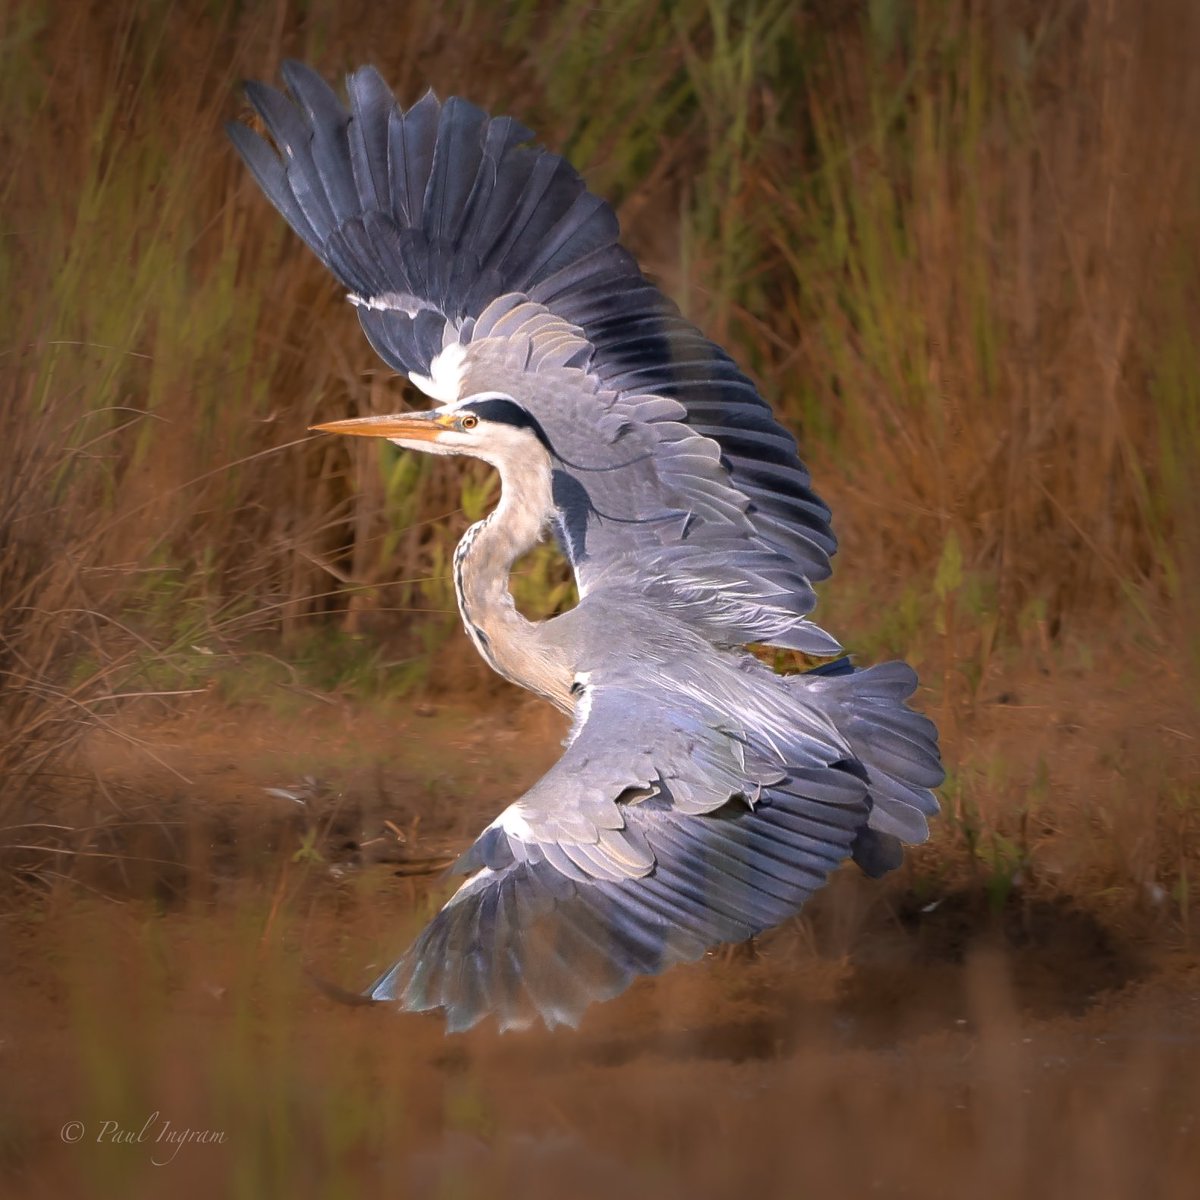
(957, 244)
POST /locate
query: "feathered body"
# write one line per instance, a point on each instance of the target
(701, 797)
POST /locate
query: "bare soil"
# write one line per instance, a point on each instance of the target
(926, 1035)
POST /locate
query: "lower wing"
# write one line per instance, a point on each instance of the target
(526, 940)
(659, 834)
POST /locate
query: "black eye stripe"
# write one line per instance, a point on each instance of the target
(507, 412)
(504, 411)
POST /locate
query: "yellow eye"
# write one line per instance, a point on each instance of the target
(469, 421)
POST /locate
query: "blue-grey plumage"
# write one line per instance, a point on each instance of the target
(701, 797)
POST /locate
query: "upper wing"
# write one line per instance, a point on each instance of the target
(450, 231)
(657, 835)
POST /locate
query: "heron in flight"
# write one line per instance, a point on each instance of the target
(701, 797)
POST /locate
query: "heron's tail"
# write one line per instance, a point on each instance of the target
(897, 746)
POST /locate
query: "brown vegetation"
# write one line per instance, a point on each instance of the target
(958, 245)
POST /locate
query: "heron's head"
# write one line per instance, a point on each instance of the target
(493, 427)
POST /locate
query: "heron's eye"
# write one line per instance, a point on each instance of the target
(469, 421)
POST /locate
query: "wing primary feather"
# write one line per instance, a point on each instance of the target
(371, 104)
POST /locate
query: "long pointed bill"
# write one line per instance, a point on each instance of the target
(412, 427)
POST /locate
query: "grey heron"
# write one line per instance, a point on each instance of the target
(701, 797)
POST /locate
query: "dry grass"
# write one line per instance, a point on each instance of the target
(959, 246)
(1003, 236)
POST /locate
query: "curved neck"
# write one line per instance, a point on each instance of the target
(510, 644)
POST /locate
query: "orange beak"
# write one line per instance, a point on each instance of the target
(412, 427)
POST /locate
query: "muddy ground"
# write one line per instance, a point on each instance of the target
(170, 1023)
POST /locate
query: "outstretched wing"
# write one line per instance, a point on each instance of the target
(659, 833)
(451, 233)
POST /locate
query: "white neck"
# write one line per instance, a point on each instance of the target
(509, 643)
